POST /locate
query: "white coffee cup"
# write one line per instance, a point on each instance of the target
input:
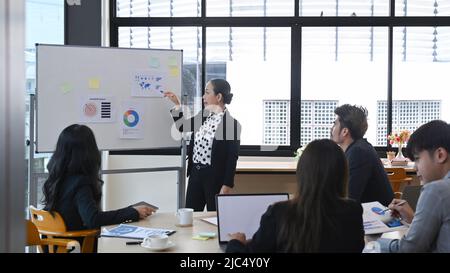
(185, 216)
(156, 241)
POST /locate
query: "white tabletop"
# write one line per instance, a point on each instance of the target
(182, 238)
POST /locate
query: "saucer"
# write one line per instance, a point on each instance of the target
(169, 245)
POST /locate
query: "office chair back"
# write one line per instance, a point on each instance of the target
(54, 226)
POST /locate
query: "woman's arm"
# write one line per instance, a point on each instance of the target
(94, 218)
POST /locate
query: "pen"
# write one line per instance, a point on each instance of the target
(399, 204)
(134, 243)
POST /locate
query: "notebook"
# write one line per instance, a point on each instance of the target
(242, 212)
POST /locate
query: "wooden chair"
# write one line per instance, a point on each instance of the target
(54, 226)
(398, 178)
(62, 245)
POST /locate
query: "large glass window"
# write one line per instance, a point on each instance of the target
(158, 8)
(420, 78)
(288, 73)
(422, 7)
(344, 65)
(250, 8)
(256, 63)
(44, 24)
(344, 8)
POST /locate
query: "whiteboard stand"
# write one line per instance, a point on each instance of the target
(33, 176)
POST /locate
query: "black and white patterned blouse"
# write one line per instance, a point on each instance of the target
(204, 139)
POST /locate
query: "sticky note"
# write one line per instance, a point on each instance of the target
(66, 88)
(154, 62)
(201, 238)
(173, 61)
(94, 83)
(174, 72)
(207, 234)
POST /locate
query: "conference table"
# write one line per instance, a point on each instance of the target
(182, 238)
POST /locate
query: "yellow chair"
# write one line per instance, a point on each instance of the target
(398, 179)
(62, 245)
(54, 226)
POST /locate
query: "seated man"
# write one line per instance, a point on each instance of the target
(429, 147)
(368, 180)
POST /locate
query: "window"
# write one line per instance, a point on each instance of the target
(264, 55)
(318, 117)
(288, 70)
(344, 8)
(406, 115)
(276, 122)
(158, 8)
(44, 24)
(345, 65)
(255, 8)
(422, 8)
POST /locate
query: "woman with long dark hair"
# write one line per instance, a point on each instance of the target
(74, 188)
(320, 218)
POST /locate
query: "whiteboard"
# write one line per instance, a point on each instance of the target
(117, 92)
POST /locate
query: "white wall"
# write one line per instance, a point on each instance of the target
(12, 126)
(159, 188)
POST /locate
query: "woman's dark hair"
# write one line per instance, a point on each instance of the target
(322, 179)
(429, 137)
(221, 86)
(354, 118)
(76, 154)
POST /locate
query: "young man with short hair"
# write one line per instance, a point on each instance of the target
(429, 147)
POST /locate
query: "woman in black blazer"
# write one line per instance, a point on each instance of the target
(73, 187)
(214, 147)
(320, 218)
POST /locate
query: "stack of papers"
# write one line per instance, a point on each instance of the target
(133, 232)
(211, 220)
(372, 220)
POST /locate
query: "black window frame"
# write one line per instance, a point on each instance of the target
(296, 23)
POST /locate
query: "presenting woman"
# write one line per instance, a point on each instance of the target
(214, 146)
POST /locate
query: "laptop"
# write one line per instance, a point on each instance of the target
(242, 213)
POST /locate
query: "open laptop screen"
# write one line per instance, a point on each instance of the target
(242, 212)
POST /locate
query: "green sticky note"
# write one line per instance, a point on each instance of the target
(201, 238)
(154, 62)
(66, 88)
(173, 61)
(207, 234)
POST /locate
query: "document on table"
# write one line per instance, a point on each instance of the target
(372, 220)
(134, 232)
(211, 220)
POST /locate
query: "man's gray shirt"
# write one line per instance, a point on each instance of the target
(430, 228)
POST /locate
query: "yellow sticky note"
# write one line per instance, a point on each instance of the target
(154, 62)
(66, 88)
(201, 238)
(174, 71)
(173, 61)
(94, 83)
